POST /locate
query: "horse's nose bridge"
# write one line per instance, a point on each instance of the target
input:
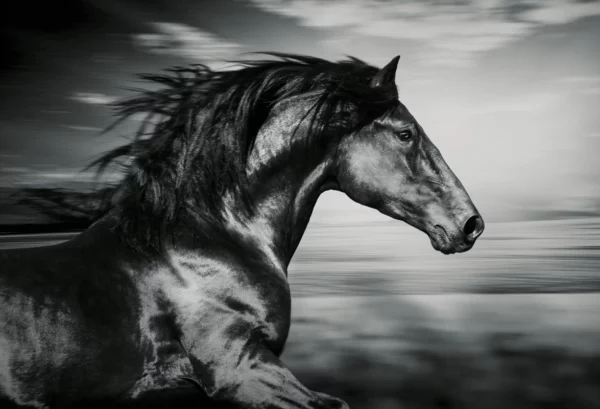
(438, 166)
(457, 199)
(460, 202)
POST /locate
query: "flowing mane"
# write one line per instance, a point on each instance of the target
(200, 127)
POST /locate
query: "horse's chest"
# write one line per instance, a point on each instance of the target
(166, 372)
(211, 294)
(206, 311)
(204, 303)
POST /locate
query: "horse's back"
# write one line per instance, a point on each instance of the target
(68, 323)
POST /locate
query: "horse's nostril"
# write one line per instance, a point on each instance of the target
(473, 228)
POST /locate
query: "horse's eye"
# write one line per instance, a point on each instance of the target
(405, 135)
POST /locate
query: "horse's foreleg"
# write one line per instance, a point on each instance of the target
(251, 376)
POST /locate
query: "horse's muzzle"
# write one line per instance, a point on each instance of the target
(450, 240)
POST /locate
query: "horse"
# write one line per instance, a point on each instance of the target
(181, 283)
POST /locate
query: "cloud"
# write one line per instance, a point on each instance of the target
(187, 42)
(525, 103)
(14, 169)
(454, 34)
(55, 111)
(58, 174)
(560, 11)
(82, 128)
(584, 84)
(36, 175)
(591, 91)
(582, 79)
(93, 98)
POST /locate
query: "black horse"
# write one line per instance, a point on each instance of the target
(184, 279)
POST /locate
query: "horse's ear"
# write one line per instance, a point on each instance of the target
(386, 75)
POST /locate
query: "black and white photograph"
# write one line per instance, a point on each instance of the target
(300, 204)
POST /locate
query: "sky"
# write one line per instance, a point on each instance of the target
(508, 90)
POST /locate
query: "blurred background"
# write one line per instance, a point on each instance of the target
(508, 90)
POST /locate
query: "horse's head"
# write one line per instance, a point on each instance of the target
(392, 166)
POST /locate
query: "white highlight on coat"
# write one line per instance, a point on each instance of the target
(277, 133)
(157, 374)
(258, 229)
(29, 337)
(206, 285)
(8, 386)
(198, 288)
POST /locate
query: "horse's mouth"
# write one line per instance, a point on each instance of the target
(441, 241)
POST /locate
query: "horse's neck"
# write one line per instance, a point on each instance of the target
(282, 214)
(284, 193)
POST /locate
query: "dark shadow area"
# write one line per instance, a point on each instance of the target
(181, 399)
(50, 209)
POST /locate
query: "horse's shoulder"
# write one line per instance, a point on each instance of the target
(196, 283)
